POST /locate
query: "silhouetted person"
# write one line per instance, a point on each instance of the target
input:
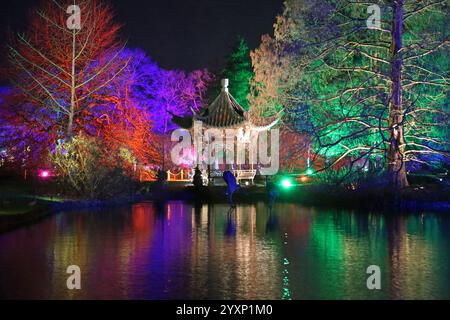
(162, 176)
(198, 180)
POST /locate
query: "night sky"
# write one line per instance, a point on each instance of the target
(177, 34)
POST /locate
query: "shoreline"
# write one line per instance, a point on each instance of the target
(11, 222)
(309, 196)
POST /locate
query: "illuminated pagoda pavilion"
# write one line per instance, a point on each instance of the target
(224, 113)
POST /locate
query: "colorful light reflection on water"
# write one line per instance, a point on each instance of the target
(180, 251)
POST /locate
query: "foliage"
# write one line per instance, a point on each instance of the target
(60, 70)
(178, 93)
(270, 80)
(293, 151)
(238, 69)
(158, 93)
(25, 135)
(124, 121)
(364, 95)
(88, 169)
(126, 113)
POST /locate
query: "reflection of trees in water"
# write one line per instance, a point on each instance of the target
(273, 223)
(418, 256)
(235, 246)
(175, 250)
(411, 250)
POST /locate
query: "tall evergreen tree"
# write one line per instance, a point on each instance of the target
(238, 69)
(240, 72)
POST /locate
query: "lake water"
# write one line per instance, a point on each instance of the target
(180, 251)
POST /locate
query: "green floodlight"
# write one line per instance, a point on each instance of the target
(309, 171)
(286, 183)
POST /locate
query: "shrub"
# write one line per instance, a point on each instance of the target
(87, 169)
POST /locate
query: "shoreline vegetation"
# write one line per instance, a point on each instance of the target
(23, 205)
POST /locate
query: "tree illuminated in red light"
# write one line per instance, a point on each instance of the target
(61, 69)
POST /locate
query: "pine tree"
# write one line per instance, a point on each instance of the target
(238, 69)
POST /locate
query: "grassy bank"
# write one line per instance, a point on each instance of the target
(19, 212)
(17, 208)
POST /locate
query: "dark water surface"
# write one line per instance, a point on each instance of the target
(179, 251)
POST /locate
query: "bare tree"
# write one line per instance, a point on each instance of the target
(69, 53)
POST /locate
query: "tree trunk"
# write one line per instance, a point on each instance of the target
(396, 152)
(72, 88)
(69, 128)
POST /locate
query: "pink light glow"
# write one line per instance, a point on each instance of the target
(44, 174)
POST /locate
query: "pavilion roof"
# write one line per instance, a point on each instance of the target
(224, 112)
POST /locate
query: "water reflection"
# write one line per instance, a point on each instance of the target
(182, 251)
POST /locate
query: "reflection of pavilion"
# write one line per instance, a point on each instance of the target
(230, 122)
